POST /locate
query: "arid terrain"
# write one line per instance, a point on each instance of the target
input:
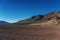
(29, 32)
(39, 27)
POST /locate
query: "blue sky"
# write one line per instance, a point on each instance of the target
(15, 10)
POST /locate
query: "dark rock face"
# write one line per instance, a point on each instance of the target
(37, 17)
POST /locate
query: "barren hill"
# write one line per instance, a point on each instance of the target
(52, 17)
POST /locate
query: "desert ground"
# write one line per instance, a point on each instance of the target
(29, 32)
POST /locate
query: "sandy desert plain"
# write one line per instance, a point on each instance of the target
(29, 32)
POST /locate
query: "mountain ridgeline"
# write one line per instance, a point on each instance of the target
(54, 16)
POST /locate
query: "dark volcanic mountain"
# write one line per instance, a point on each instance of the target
(3, 22)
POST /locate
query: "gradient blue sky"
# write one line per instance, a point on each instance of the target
(15, 10)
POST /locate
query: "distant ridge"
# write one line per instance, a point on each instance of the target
(3, 22)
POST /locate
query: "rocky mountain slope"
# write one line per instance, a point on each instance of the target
(52, 17)
(33, 19)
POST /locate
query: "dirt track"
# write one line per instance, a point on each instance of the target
(18, 32)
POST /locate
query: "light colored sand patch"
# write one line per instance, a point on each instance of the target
(39, 24)
(50, 22)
